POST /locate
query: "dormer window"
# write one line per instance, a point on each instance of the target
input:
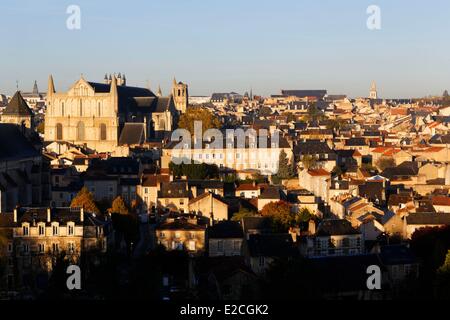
(41, 229)
(26, 229)
(55, 229)
(70, 229)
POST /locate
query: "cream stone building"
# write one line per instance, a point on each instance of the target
(105, 116)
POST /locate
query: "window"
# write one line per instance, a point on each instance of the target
(59, 134)
(261, 261)
(220, 245)
(62, 109)
(192, 245)
(26, 230)
(237, 245)
(10, 247)
(103, 131)
(145, 190)
(81, 108)
(80, 131)
(99, 109)
(55, 230)
(26, 248)
(41, 229)
(70, 229)
(41, 248)
(71, 247)
(177, 235)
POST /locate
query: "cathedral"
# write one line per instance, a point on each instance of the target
(105, 116)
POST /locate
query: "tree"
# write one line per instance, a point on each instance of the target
(309, 162)
(199, 171)
(384, 163)
(187, 119)
(84, 199)
(265, 111)
(285, 169)
(337, 171)
(243, 213)
(280, 214)
(443, 279)
(41, 127)
(119, 206)
(314, 113)
(290, 117)
(304, 215)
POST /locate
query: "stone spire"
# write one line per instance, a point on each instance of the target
(51, 85)
(35, 88)
(159, 93)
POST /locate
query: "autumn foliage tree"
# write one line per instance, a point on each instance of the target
(119, 206)
(208, 120)
(84, 199)
(280, 214)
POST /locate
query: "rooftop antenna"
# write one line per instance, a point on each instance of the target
(17, 85)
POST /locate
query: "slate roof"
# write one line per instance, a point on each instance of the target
(18, 106)
(428, 218)
(256, 223)
(406, 169)
(335, 228)
(312, 147)
(13, 144)
(225, 229)
(271, 245)
(305, 93)
(174, 189)
(132, 133)
(180, 224)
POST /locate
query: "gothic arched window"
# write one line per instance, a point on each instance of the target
(59, 131)
(103, 131)
(81, 108)
(99, 107)
(80, 131)
(62, 109)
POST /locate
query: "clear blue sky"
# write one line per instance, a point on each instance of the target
(230, 45)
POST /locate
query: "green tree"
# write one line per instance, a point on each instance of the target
(303, 215)
(285, 169)
(84, 199)
(314, 113)
(119, 206)
(443, 279)
(192, 114)
(337, 171)
(384, 163)
(41, 127)
(309, 162)
(265, 111)
(243, 213)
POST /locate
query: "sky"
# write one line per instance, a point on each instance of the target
(232, 45)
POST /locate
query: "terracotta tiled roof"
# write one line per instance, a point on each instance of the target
(318, 172)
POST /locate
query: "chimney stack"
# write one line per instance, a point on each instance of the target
(82, 214)
(49, 215)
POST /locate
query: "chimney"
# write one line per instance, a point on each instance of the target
(15, 214)
(81, 214)
(312, 227)
(49, 215)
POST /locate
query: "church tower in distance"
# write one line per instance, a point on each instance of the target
(373, 92)
(180, 95)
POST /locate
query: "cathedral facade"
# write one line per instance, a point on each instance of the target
(104, 116)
